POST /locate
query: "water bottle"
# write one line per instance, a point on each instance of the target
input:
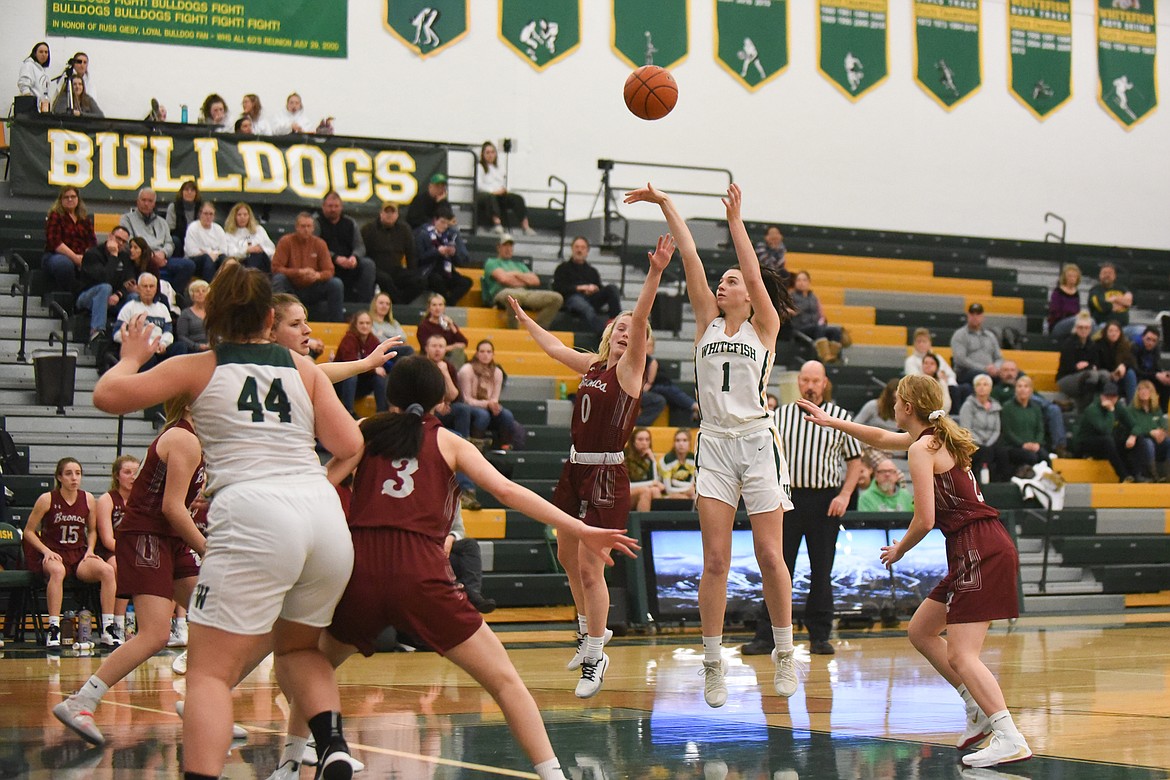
(131, 622)
(83, 639)
(68, 628)
(562, 391)
(183, 113)
(984, 474)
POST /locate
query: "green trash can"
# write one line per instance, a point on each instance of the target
(56, 377)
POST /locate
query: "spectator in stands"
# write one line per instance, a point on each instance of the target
(1065, 303)
(81, 103)
(1005, 390)
(879, 412)
(33, 79)
(440, 250)
(183, 211)
(677, 468)
(344, 239)
(922, 345)
(251, 108)
(386, 327)
(68, 236)
(103, 270)
(1150, 427)
(810, 320)
(493, 200)
(243, 126)
(206, 243)
(658, 390)
(1109, 299)
(974, 348)
(642, 464)
(157, 314)
(390, 244)
(302, 266)
(1078, 375)
(931, 365)
(1147, 355)
(467, 564)
(1105, 427)
(773, 403)
(504, 277)
(422, 209)
(1023, 435)
(293, 119)
(579, 284)
(214, 113)
(1116, 352)
(885, 492)
(481, 380)
(142, 221)
(981, 415)
(437, 322)
(358, 343)
(80, 62)
(771, 250)
(189, 330)
(248, 241)
(453, 413)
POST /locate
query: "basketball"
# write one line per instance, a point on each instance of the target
(651, 92)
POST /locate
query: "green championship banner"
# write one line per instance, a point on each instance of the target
(853, 45)
(543, 32)
(307, 27)
(112, 160)
(650, 32)
(426, 26)
(1040, 65)
(751, 40)
(947, 62)
(1126, 49)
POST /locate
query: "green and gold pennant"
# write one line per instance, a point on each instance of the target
(542, 32)
(650, 32)
(1040, 64)
(751, 40)
(853, 45)
(947, 63)
(426, 27)
(1126, 50)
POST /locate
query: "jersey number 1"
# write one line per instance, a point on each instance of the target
(275, 401)
(727, 377)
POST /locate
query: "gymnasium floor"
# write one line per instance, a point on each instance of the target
(1092, 694)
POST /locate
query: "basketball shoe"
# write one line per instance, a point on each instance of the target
(978, 728)
(786, 678)
(715, 682)
(78, 720)
(592, 675)
(580, 654)
(1001, 750)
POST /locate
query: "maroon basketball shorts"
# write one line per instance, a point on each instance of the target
(149, 564)
(982, 567)
(597, 494)
(34, 562)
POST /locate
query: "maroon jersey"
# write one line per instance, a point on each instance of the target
(958, 501)
(144, 512)
(416, 494)
(63, 528)
(603, 414)
(116, 514)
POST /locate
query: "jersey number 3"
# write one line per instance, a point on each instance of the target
(274, 401)
(401, 484)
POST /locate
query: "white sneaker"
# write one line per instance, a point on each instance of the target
(179, 665)
(1001, 750)
(111, 636)
(336, 766)
(238, 731)
(715, 684)
(786, 678)
(79, 720)
(580, 654)
(978, 728)
(592, 675)
(289, 770)
(178, 636)
(53, 637)
(310, 758)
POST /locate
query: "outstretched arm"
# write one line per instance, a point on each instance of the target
(122, 389)
(699, 292)
(922, 474)
(765, 319)
(579, 362)
(867, 434)
(632, 365)
(337, 372)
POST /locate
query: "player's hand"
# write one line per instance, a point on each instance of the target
(382, 353)
(518, 310)
(733, 202)
(815, 414)
(448, 543)
(52, 556)
(891, 555)
(138, 343)
(645, 194)
(660, 257)
(838, 506)
(600, 541)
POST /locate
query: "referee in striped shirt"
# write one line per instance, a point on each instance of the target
(824, 464)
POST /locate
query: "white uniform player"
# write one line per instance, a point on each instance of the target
(738, 450)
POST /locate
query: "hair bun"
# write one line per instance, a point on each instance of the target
(936, 414)
(416, 409)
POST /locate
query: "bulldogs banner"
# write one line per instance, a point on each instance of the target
(751, 41)
(1126, 47)
(114, 160)
(543, 32)
(853, 45)
(650, 32)
(426, 27)
(1040, 66)
(946, 49)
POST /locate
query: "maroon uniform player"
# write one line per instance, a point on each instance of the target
(109, 511)
(982, 564)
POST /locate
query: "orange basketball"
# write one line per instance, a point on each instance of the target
(651, 92)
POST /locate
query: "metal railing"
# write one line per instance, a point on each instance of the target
(21, 287)
(1063, 224)
(608, 188)
(563, 204)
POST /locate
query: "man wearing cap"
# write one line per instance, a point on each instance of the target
(1106, 428)
(974, 348)
(505, 277)
(580, 285)
(390, 244)
(422, 209)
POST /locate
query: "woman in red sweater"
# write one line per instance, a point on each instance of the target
(358, 342)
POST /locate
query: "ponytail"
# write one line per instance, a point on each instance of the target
(415, 386)
(779, 293)
(924, 394)
(956, 439)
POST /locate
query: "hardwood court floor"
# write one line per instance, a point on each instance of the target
(1091, 694)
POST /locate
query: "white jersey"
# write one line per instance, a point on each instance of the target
(255, 418)
(731, 379)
